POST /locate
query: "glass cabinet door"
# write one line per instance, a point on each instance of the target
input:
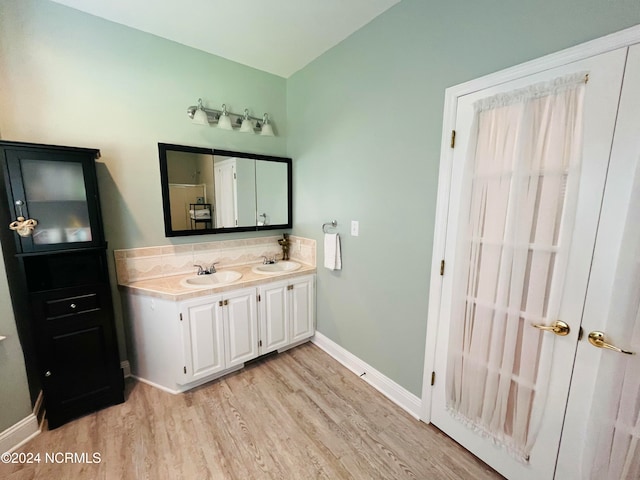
(59, 191)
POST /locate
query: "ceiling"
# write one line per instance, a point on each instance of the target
(276, 36)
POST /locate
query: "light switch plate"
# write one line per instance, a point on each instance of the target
(355, 228)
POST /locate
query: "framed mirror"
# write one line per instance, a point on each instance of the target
(207, 191)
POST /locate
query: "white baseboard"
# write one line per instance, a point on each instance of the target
(19, 434)
(126, 368)
(390, 389)
(155, 385)
(189, 386)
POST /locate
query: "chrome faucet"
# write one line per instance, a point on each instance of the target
(207, 271)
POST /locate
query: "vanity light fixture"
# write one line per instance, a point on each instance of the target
(224, 121)
(267, 129)
(200, 116)
(247, 123)
(230, 121)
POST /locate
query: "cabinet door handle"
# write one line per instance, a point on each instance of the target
(73, 306)
(47, 373)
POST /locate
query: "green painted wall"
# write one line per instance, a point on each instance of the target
(14, 391)
(246, 191)
(69, 78)
(365, 122)
(271, 191)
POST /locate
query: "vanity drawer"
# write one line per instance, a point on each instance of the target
(71, 305)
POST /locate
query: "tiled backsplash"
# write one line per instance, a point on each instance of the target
(137, 264)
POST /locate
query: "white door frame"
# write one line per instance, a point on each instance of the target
(610, 42)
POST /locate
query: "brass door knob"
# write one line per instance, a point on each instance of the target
(558, 327)
(597, 340)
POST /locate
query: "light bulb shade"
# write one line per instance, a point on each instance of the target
(224, 122)
(247, 126)
(200, 117)
(267, 130)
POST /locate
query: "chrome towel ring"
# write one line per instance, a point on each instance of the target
(331, 224)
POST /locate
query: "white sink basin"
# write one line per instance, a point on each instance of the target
(278, 267)
(212, 280)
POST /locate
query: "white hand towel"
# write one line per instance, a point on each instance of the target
(332, 255)
(200, 214)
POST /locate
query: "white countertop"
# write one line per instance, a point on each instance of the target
(172, 288)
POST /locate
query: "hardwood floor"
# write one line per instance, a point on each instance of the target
(296, 415)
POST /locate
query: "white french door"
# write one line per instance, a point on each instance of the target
(601, 436)
(505, 400)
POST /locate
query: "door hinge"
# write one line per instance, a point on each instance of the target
(259, 298)
(181, 317)
(580, 333)
(453, 138)
(441, 267)
(234, 176)
(184, 369)
(433, 378)
(260, 343)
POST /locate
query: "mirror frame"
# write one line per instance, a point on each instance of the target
(163, 148)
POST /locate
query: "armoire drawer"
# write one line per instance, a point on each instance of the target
(71, 305)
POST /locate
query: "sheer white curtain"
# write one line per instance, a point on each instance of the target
(522, 173)
(612, 449)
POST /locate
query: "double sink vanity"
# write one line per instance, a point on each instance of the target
(215, 278)
(186, 329)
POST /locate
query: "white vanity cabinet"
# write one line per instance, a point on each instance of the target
(177, 345)
(241, 327)
(203, 339)
(219, 332)
(287, 312)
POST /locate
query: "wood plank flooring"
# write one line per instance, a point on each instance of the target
(296, 415)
